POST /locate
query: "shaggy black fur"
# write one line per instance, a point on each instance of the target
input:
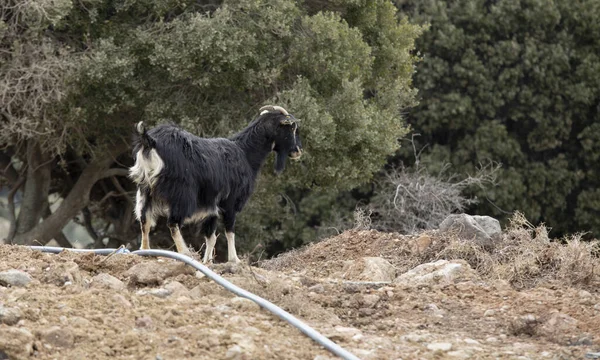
(204, 174)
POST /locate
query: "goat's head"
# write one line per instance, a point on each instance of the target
(285, 133)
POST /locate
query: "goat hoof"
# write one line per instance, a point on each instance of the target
(235, 260)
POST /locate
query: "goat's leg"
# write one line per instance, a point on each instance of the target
(209, 227)
(145, 225)
(143, 213)
(178, 239)
(229, 220)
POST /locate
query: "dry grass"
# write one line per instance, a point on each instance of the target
(524, 255)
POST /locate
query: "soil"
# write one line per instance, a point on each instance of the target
(160, 309)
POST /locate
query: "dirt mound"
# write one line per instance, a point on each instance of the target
(125, 306)
(523, 255)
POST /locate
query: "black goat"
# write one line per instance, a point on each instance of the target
(187, 178)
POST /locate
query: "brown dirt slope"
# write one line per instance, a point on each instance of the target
(159, 309)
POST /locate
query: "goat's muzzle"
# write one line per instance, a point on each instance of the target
(296, 154)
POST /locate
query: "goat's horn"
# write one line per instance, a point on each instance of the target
(270, 108)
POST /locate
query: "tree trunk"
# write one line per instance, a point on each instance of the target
(76, 200)
(37, 186)
(60, 238)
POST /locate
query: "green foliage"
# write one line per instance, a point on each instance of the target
(515, 81)
(209, 69)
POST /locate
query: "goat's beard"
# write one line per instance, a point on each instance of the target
(280, 159)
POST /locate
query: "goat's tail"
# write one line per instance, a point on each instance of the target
(148, 164)
(146, 141)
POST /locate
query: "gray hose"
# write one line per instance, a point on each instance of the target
(284, 315)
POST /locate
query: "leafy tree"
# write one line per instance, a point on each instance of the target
(207, 66)
(515, 81)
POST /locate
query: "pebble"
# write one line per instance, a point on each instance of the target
(14, 278)
(371, 300)
(459, 354)
(234, 352)
(244, 304)
(491, 339)
(9, 316)
(107, 281)
(121, 300)
(439, 346)
(143, 322)
(159, 293)
(58, 337)
(489, 313)
(471, 341)
(319, 288)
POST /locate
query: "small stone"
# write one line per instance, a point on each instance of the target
(234, 352)
(121, 300)
(244, 304)
(597, 307)
(58, 337)
(491, 339)
(377, 269)
(196, 292)
(471, 341)
(10, 316)
(422, 243)
(177, 288)
(370, 300)
(14, 278)
(159, 293)
(416, 338)
(80, 322)
(439, 346)
(16, 343)
(107, 281)
(143, 322)
(584, 294)
(459, 354)
(155, 272)
(489, 313)
(529, 318)
(319, 288)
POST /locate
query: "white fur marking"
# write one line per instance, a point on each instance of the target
(140, 199)
(231, 253)
(201, 215)
(210, 246)
(146, 170)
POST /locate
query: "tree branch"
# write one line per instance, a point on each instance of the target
(77, 199)
(114, 172)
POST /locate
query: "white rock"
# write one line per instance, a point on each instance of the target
(107, 281)
(377, 269)
(480, 229)
(489, 312)
(437, 272)
(440, 346)
(14, 278)
(471, 341)
(244, 304)
(459, 354)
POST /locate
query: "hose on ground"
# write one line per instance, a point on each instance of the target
(284, 315)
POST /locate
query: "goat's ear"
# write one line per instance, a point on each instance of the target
(287, 120)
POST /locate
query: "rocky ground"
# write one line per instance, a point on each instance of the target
(379, 295)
